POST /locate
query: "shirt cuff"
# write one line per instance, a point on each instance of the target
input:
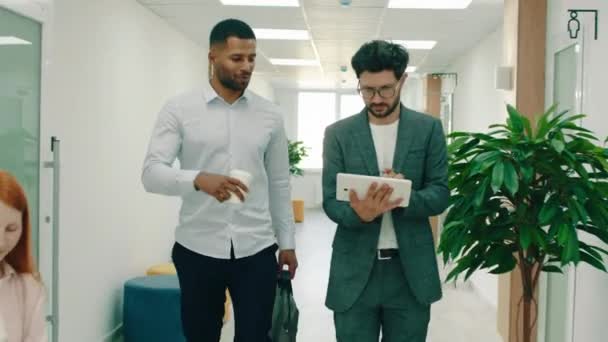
(287, 241)
(185, 181)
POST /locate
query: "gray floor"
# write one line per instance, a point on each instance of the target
(460, 316)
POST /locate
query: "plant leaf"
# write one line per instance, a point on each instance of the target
(462, 264)
(589, 259)
(552, 269)
(506, 266)
(525, 237)
(601, 234)
(458, 134)
(543, 123)
(511, 180)
(480, 194)
(515, 120)
(563, 235)
(498, 176)
(484, 161)
(572, 251)
(558, 145)
(540, 237)
(528, 128)
(527, 173)
(547, 213)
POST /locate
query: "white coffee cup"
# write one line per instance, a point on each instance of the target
(245, 178)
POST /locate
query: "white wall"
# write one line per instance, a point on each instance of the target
(477, 104)
(591, 285)
(412, 95)
(262, 87)
(308, 186)
(112, 65)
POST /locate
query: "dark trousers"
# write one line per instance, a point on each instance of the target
(251, 282)
(387, 304)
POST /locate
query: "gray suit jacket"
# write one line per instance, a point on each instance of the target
(421, 156)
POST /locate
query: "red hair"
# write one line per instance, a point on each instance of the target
(12, 194)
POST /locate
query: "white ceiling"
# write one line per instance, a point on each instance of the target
(337, 32)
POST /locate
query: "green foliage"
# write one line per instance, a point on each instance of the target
(556, 177)
(296, 153)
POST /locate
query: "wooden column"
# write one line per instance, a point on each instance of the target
(433, 107)
(525, 23)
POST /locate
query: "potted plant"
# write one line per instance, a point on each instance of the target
(296, 153)
(520, 195)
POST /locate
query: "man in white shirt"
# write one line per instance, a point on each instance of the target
(220, 244)
(383, 274)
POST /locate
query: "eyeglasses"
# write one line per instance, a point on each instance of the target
(385, 92)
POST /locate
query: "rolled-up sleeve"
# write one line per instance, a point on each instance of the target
(158, 174)
(279, 187)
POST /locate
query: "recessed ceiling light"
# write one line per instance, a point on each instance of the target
(281, 34)
(411, 69)
(294, 62)
(429, 4)
(416, 44)
(276, 3)
(10, 40)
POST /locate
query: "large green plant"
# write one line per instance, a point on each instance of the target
(297, 151)
(556, 180)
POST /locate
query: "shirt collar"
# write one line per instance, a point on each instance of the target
(9, 271)
(210, 94)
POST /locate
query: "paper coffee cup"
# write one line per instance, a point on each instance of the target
(245, 178)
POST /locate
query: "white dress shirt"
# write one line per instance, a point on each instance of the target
(385, 140)
(205, 133)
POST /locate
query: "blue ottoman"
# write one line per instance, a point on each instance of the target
(152, 310)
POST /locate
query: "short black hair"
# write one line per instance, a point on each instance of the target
(380, 55)
(230, 28)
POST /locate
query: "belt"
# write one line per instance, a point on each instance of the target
(387, 254)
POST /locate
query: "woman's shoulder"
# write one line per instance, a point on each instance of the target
(33, 286)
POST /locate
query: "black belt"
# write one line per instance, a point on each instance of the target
(387, 254)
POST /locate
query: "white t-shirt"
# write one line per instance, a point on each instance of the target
(385, 140)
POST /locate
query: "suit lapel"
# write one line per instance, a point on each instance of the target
(363, 139)
(405, 135)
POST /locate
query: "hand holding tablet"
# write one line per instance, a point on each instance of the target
(401, 188)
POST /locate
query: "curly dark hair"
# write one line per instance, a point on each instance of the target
(380, 55)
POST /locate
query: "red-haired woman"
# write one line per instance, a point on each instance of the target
(22, 295)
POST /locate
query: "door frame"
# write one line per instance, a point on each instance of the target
(559, 42)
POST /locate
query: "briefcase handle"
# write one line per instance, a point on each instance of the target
(284, 281)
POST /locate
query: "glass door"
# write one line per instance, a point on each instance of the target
(20, 63)
(556, 312)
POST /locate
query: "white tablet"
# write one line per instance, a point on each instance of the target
(345, 182)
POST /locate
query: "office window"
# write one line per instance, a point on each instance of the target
(350, 104)
(316, 110)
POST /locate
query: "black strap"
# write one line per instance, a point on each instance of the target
(284, 281)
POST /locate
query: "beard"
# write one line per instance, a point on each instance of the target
(379, 113)
(233, 83)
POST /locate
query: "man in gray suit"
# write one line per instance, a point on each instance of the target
(383, 269)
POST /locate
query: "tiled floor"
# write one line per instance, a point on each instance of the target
(461, 316)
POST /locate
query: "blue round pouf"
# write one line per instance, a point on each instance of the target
(152, 310)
